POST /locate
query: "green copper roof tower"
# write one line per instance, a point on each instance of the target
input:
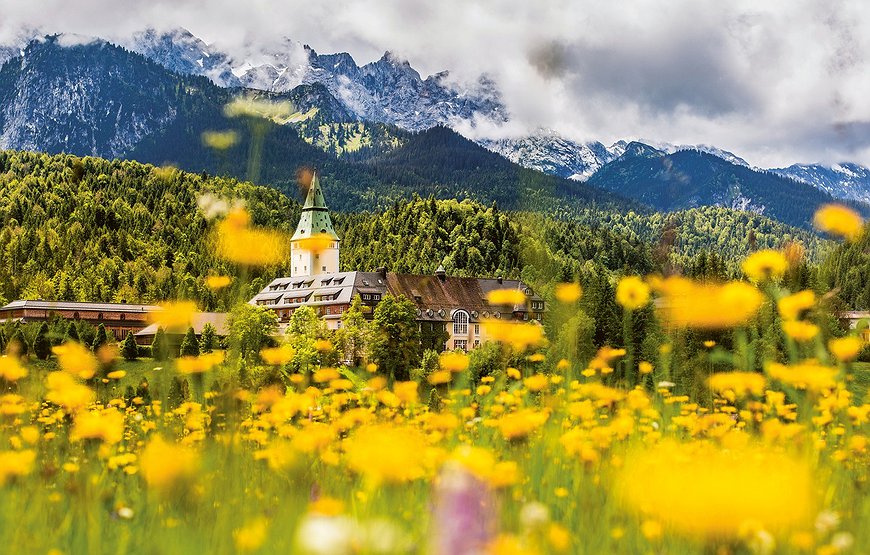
(315, 257)
(315, 215)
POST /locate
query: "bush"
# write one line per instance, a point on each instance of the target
(130, 351)
(144, 351)
(41, 344)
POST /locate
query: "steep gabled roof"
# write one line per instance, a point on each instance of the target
(315, 215)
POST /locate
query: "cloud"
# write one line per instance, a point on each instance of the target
(775, 82)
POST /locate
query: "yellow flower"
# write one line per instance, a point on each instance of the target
(799, 330)
(200, 364)
(519, 335)
(709, 344)
(453, 361)
(164, 464)
(246, 106)
(237, 242)
(15, 463)
(252, 535)
(316, 243)
(440, 377)
(220, 140)
(790, 307)
(326, 506)
(277, 356)
(66, 392)
(367, 449)
(107, 426)
(568, 292)
(517, 425)
(765, 265)
(806, 375)
(218, 282)
(174, 316)
(686, 303)
(845, 349)
(323, 345)
(76, 359)
(644, 367)
(371, 368)
(10, 369)
(323, 375)
(837, 219)
(514, 374)
(740, 383)
(537, 382)
(506, 297)
(632, 293)
(116, 375)
(406, 391)
(701, 490)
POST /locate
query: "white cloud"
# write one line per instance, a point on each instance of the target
(775, 82)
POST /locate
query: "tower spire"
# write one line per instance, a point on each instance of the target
(314, 248)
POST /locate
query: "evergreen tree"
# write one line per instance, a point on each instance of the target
(41, 344)
(353, 337)
(396, 337)
(3, 341)
(190, 345)
(130, 351)
(208, 341)
(100, 339)
(160, 345)
(72, 332)
(18, 343)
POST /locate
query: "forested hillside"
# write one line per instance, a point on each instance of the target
(847, 273)
(91, 229)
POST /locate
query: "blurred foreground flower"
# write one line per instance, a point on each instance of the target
(465, 515)
(519, 335)
(385, 453)
(173, 316)
(792, 306)
(807, 375)
(236, 241)
(277, 111)
(568, 292)
(846, 349)
(453, 361)
(765, 265)
(76, 359)
(65, 391)
(708, 492)
(218, 282)
(199, 364)
(10, 369)
(840, 220)
(739, 384)
(277, 356)
(164, 464)
(106, 426)
(15, 463)
(685, 303)
(632, 293)
(220, 140)
(506, 297)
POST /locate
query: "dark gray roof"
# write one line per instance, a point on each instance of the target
(70, 305)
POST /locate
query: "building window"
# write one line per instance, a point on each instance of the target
(460, 323)
(460, 344)
(324, 268)
(100, 316)
(366, 297)
(476, 343)
(476, 329)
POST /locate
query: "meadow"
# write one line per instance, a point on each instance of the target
(761, 450)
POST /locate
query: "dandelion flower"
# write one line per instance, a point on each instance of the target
(837, 219)
(632, 293)
(175, 316)
(453, 361)
(386, 453)
(10, 369)
(765, 265)
(164, 464)
(568, 292)
(799, 330)
(76, 359)
(792, 306)
(845, 349)
(218, 282)
(220, 140)
(506, 297)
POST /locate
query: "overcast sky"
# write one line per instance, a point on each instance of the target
(774, 81)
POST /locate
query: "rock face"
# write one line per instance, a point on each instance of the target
(385, 91)
(844, 181)
(82, 97)
(550, 153)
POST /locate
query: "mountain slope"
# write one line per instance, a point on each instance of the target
(845, 181)
(689, 178)
(388, 90)
(555, 155)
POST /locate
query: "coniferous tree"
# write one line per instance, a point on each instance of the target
(100, 339)
(208, 341)
(396, 337)
(160, 345)
(72, 332)
(18, 344)
(41, 344)
(190, 345)
(130, 351)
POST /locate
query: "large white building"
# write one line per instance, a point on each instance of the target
(455, 304)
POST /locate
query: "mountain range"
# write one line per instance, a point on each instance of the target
(379, 130)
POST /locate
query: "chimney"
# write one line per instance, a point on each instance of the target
(440, 273)
(382, 271)
(500, 279)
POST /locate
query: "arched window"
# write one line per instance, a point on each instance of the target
(460, 323)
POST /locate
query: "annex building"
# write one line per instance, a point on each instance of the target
(459, 304)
